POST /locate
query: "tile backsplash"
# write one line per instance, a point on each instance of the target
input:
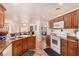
(70, 32)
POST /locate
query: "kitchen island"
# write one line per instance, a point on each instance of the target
(17, 45)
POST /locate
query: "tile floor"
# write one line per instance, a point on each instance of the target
(39, 49)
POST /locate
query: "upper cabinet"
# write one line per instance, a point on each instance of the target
(60, 18)
(2, 16)
(50, 23)
(71, 20)
(67, 20)
(74, 16)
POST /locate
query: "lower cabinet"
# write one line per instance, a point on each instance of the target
(25, 44)
(17, 48)
(31, 42)
(78, 48)
(1, 54)
(22, 45)
(48, 41)
(64, 47)
(69, 48)
(72, 48)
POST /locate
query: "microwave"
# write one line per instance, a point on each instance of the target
(59, 24)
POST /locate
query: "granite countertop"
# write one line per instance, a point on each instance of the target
(71, 38)
(5, 43)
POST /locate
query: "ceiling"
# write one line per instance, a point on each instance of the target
(33, 12)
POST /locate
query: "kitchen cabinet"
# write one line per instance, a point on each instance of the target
(64, 47)
(1, 54)
(2, 15)
(22, 45)
(8, 51)
(25, 44)
(31, 42)
(17, 48)
(60, 18)
(67, 20)
(69, 47)
(55, 20)
(72, 48)
(48, 42)
(50, 23)
(78, 48)
(71, 20)
(74, 16)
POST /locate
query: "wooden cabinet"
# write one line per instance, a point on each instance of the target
(48, 42)
(78, 48)
(50, 23)
(67, 20)
(60, 18)
(69, 47)
(1, 54)
(74, 16)
(71, 20)
(72, 48)
(22, 45)
(55, 20)
(31, 42)
(25, 44)
(2, 15)
(64, 47)
(17, 48)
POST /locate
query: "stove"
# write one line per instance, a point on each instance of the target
(55, 43)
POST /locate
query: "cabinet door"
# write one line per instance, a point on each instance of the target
(50, 24)
(72, 48)
(15, 51)
(31, 42)
(55, 20)
(25, 44)
(17, 48)
(78, 17)
(67, 20)
(64, 47)
(78, 48)
(1, 54)
(48, 43)
(60, 18)
(74, 16)
(1, 19)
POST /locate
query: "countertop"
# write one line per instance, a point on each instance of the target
(71, 38)
(4, 44)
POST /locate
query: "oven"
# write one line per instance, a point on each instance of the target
(55, 43)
